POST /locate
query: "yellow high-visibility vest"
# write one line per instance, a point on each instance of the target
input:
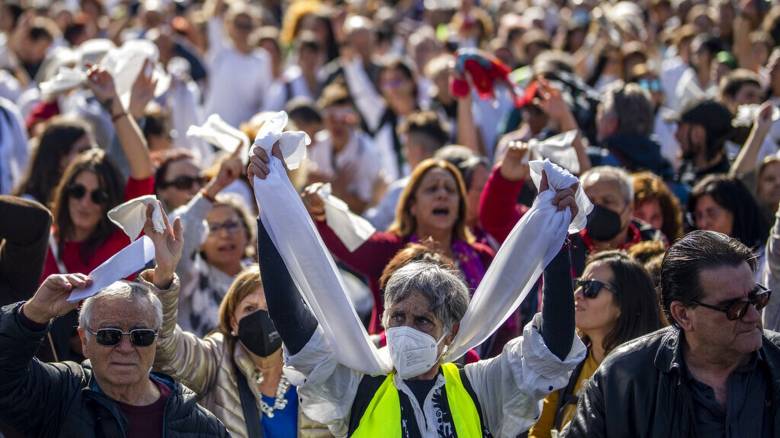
(382, 417)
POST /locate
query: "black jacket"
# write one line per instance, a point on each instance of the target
(62, 399)
(637, 391)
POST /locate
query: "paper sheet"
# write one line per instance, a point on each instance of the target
(352, 229)
(129, 260)
(131, 216)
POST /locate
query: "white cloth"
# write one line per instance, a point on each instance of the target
(131, 216)
(238, 82)
(689, 90)
(14, 152)
(127, 62)
(67, 78)
(539, 234)
(383, 214)
(535, 239)
(350, 228)
(130, 259)
(359, 154)
(219, 133)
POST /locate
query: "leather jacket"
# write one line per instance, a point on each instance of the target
(638, 390)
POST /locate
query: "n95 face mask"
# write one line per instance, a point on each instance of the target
(412, 351)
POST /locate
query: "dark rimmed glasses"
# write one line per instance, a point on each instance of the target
(112, 336)
(591, 288)
(737, 308)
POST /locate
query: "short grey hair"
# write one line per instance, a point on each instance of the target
(442, 287)
(632, 107)
(611, 173)
(136, 292)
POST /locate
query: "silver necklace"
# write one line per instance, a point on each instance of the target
(280, 402)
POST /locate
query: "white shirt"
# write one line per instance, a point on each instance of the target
(14, 152)
(509, 387)
(238, 82)
(382, 216)
(289, 86)
(359, 153)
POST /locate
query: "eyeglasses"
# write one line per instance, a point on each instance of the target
(77, 191)
(591, 288)
(650, 84)
(737, 308)
(112, 336)
(184, 182)
(229, 226)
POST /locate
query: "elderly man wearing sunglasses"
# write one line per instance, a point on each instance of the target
(714, 372)
(113, 394)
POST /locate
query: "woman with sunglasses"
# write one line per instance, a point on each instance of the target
(243, 357)
(83, 237)
(220, 233)
(614, 302)
(177, 178)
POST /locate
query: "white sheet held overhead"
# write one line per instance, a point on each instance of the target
(309, 262)
(532, 244)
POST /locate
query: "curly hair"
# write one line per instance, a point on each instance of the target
(649, 187)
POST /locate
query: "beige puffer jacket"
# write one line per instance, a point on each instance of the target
(204, 366)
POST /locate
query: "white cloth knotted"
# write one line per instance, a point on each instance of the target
(66, 79)
(557, 149)
(534, 241)
(131, 216)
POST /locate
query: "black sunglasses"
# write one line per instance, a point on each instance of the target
(184, 182)
(737, 308)
(112, 336)
(591, 288)
(78, 191)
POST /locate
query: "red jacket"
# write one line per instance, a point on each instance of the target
(499, 210)
(71, 253)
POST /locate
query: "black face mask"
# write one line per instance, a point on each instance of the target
(603, 224)
(258, 333)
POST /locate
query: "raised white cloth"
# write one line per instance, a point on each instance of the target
(350, 228)
(530, 246)
(131, 216)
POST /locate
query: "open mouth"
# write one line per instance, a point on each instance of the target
(228, 247)
(441, 211)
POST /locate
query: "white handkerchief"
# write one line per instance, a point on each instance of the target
(66, 79)
(557, 149)
(126, 63)
(292, 144)
(352, 229)
(220, 134)
(746, 115)
(131, 216)
(129, 260)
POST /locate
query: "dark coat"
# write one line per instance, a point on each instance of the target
(62, 399)
(638, 392)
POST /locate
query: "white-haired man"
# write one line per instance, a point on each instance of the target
(114, 394)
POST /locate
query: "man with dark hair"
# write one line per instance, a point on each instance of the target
(740, 87)
(702, 130)
(714, 372)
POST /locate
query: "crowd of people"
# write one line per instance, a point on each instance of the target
(422, 122)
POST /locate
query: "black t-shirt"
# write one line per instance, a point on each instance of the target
(146, 421)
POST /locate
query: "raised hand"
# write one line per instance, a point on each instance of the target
(514, 167)
(167, 247)
(50, 300)
(100, 81)
(142, 91)
(229, 170)
(314, 202)
(259, 161)
(763, 119)
(564, 198)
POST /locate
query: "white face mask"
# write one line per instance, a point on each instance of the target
(412, 351)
